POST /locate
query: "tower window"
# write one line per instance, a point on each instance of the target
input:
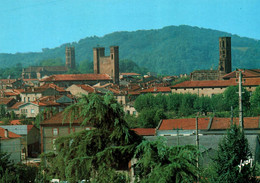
(112, 56)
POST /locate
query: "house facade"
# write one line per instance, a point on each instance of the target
(56, 127)
(210, 88)
(30, 139)
(11, 144)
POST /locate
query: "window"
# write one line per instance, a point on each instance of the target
(32, 111)
(128, 112)
(28, 99)
(55, 131)
(23, 111)
(112, 56)
(24, 99)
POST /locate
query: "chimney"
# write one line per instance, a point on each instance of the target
(6, 133)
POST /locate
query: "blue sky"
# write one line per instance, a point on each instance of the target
(30, 25)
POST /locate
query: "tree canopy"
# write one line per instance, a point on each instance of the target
(233, 149)
(109, 145)
(158, 162)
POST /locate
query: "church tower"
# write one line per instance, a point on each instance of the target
(225, 66)
(70, 57)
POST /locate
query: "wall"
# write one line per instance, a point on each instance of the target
(12, 146)
(49, 137)
(207, 91)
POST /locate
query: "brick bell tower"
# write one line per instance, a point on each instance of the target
(70, 57)
(225, 65)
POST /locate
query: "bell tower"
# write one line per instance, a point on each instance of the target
(70, 57)
(225, 66)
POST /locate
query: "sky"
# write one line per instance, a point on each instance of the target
(30, 25)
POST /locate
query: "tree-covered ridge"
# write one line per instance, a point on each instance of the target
(170, 50)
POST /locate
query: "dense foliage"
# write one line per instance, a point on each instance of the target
(170, 50)
(107, 147)
(13, 173)
(153, 108)
(158, 162)
(232, 149)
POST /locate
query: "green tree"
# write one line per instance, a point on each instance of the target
(158, 162)
(174, 102)
(110, 144)
(231, 98)
(255, 101)
(232, 149)
(217, 102)
(203, 104)
(144, 101)
(187, 103)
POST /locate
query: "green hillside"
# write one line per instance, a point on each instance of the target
(170, 50)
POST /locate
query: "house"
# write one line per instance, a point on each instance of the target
(78, 90)
(33, 94)
(210, 133)
(31, 83)
(66, 80)
(55, 127)
(11, 144)
(30, 138)
(12, 93)
(10, 83)
(32, 109)
(7, 102)
(210, 88)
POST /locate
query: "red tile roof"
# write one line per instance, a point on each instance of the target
(217, 123)
(17, 105)
(216, 83)
(5, 101)
(15, 122)
(157, 90)
(144, 131)
(30, 79)
(11, 93)
(248, 73)
(184, 124)
(77, 77)
(224, 123)
(87, 88)
(58, 120)
(11, 135)
(51, 85)
(45, 103)
(29, 127)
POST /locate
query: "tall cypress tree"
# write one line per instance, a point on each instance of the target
(232, 149)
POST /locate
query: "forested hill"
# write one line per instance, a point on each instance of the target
(170, 50)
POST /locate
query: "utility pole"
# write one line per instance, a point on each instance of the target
(241, 122)
(197, 144)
